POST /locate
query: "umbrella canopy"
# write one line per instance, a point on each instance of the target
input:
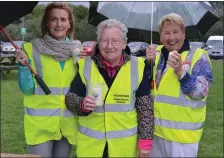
(198, 17)
(11, 11)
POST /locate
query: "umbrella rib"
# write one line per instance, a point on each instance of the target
(129, 13)
(151, 21)
(189, 12)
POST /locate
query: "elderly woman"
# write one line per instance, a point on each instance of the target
(50, 129)
(182, 77)
(124, 120)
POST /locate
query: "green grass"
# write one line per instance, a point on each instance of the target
(12, 133)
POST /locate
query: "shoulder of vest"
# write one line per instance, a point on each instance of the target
(137, 59)
(200, 51)
(27, 47)
(159, 47)
(83, 60)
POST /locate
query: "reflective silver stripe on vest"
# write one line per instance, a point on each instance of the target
(46, 112)
(87, 73)
(54, 91)
(134, 80)
(178, 125)
(37, 60)
(68, 113)
(109, 135)
(181, 101)
(114, 108)
(190, 56)
(134, 86)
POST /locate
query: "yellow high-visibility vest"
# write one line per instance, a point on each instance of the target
(46, 116)
(116, 121)
(178, 118)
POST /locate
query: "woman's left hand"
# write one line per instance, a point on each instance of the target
(175, 62)
(144, 153)
(150, 53)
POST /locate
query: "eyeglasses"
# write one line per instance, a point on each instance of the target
(114, 42)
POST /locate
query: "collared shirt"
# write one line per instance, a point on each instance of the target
(111, 70)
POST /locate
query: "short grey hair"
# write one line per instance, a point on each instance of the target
(110, 23)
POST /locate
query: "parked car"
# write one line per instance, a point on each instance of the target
(139, 48)
(215, 47)
(9, 48)
(1, 45)
(89, 46)
(136, 46)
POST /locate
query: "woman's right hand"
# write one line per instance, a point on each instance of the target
(89, 103)
(21, 56)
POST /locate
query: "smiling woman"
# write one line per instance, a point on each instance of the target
(182, 78)
(50, 129)
(58, 22)
(111, 84)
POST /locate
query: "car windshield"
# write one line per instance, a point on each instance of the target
(88, 44)
(215, 43)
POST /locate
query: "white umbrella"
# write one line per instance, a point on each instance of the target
(142, 18)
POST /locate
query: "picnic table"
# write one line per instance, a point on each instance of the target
(7, 62)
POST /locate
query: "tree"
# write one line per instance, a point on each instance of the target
(80, 12)
(85, 31)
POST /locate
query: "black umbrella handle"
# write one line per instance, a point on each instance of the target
(151, 68)
(42, 84)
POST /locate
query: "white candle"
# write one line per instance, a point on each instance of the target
(97, 92)
(170, 57)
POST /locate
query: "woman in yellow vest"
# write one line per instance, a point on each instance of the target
(111, 98)
(50, 129)
(182, 77)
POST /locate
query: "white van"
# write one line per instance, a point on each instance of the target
(215, 47)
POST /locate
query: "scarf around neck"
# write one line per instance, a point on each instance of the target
(59, 50)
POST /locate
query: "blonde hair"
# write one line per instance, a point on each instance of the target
(58, 5)
(173, 18)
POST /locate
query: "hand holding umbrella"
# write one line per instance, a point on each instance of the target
(151, 53)
(23, 59)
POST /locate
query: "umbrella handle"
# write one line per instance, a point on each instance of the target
(36, 76)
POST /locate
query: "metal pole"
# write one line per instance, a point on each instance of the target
(23, 27)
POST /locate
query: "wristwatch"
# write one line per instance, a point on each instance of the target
(182, 76)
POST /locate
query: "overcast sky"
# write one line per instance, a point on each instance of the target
(86, 4)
